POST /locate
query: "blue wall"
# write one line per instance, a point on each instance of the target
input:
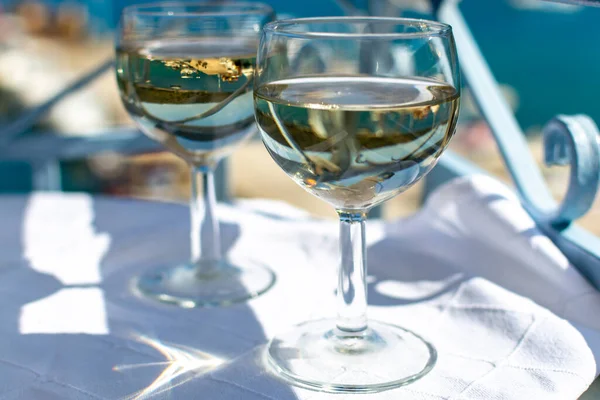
(552, 59)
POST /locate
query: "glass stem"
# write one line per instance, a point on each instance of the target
(352, 283)
(205, 235)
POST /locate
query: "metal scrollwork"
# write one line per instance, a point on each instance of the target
(574, 141)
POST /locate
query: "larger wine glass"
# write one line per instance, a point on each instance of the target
(185, 73)
(355, 110)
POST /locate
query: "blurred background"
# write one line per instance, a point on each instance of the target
(544, 55)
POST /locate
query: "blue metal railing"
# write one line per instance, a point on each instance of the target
(568, 140)
(26, 121)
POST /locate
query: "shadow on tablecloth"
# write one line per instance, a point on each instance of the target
(96, 340)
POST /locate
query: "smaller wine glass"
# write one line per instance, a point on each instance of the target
(185, 73)
(355, 110)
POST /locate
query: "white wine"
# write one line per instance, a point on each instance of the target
(356, 141)
(194, 96)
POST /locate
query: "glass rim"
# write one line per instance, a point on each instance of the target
(283, 27)
(198, 9)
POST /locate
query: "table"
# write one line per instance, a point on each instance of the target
(73, 329)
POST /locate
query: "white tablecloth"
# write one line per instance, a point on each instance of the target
(71, 329)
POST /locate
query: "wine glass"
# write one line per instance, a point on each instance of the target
(185, 73)
(355, 110)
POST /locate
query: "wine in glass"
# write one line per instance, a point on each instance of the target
(185, 73)
(355, 110)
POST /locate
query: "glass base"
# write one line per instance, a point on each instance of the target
(219, 285)
(315, 356)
